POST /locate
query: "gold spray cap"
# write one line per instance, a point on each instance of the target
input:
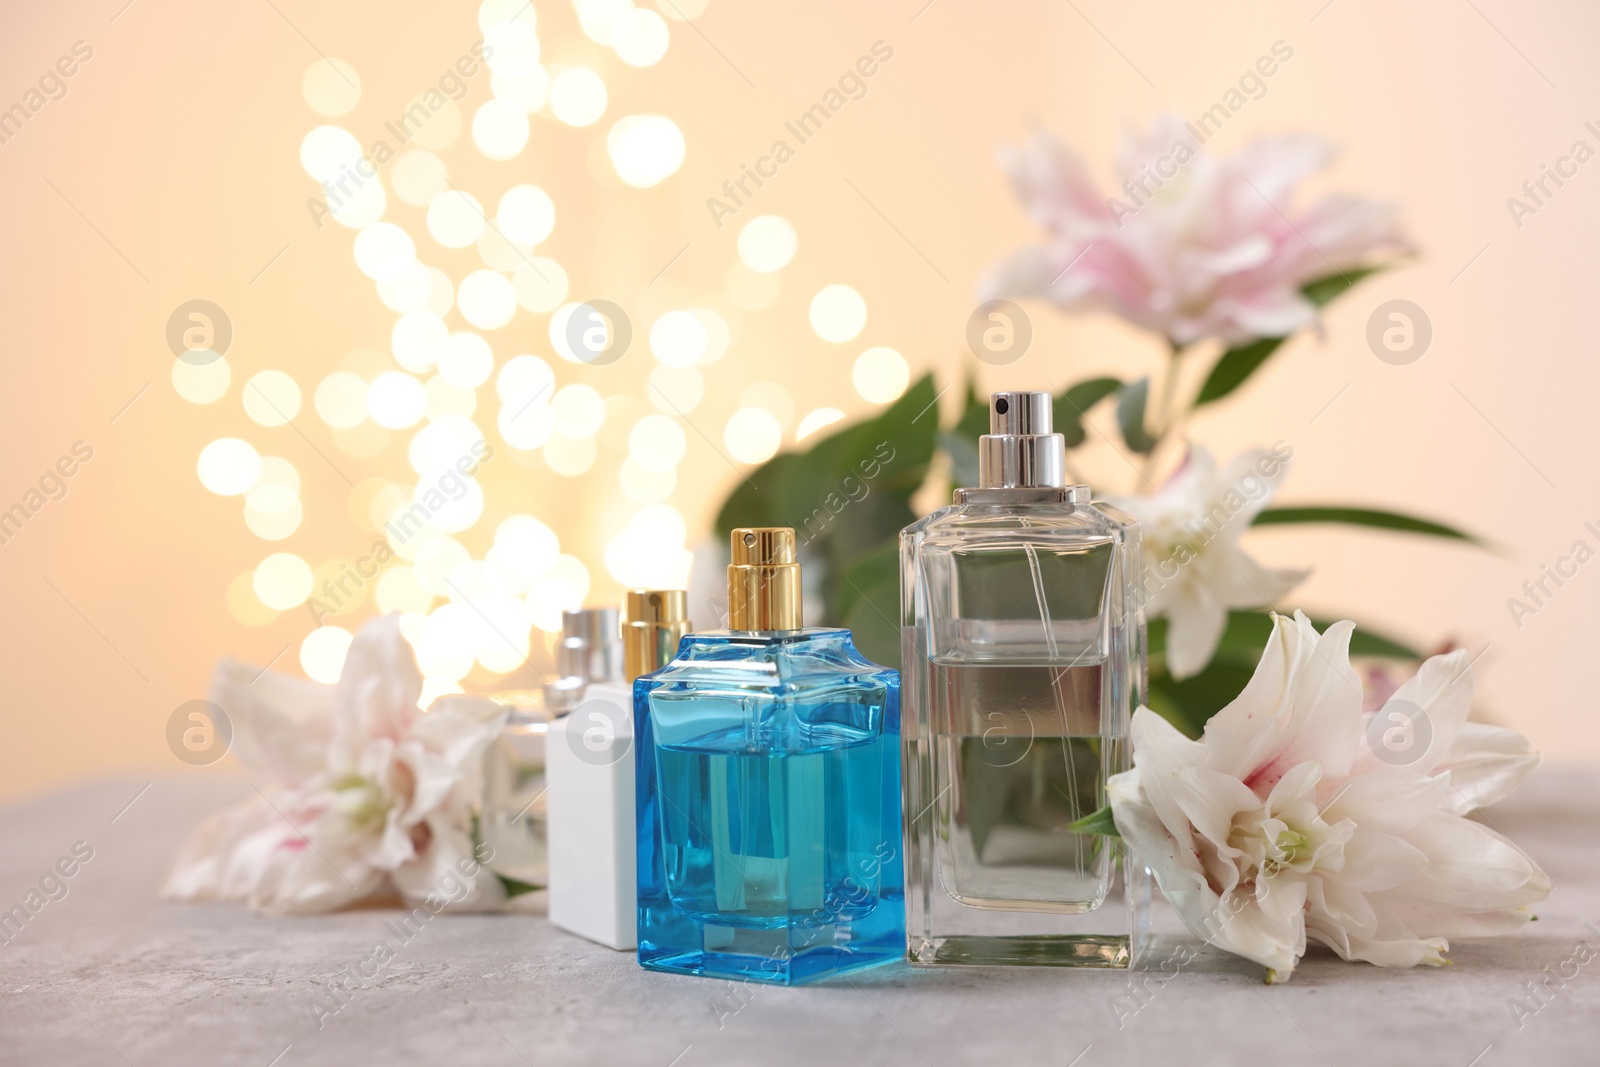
(653, 622)
(763, 580)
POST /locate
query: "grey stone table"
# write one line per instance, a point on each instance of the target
(107, 974)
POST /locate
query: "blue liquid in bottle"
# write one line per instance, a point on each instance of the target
(769, 808)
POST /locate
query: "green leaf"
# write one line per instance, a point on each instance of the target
(960, 442)
(1247, 632)
(1235, 365)
(872, 570)
(869, 604)
(1072, 405)
(1383, 520)
(515, 888)
(1188, 703)
(1371, 643)
(974, 416)
(1099, 822)
(886, 456)
(1238, 363)
(883, 457)
(963, 453)
(1130, 415)
(753, 500)
(849, 493)
(1321, 291)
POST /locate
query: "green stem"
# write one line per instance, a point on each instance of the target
(1165, 422)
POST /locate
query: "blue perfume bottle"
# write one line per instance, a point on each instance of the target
(768, 791)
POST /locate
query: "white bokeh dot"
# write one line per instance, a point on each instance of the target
(418, 176)
(331, 86)
(410, 290)
(229, 466)
(282, 581)
(578, 96)
(540, 283)
(466, 361)
(527, 86)
(396, 400)
(455, 218)
(579, 411)
(341, 400)
(328, 151)
(678, 339)
(272, 512)
(838, 313)
(641, 39)
(526, 215)
(657, 442)
(364, 205)
(271, 398)
(500, 129)
(880, 375)
(767, 243)
(201, 383)
(417, 339)
(753, 435)
(487, 299)
(645, 149)
(570, 456)
(384, 251)
(322, 653)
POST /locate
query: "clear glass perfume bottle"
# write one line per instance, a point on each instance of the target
(1023, 658)
(515, 811)
(768, 791)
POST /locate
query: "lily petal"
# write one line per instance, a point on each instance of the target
(1161, 752)
(1442, 691)
(1209, 800)
(1386, 800)
(1303, 703)
(1486, 764)
(1472, 868)
(1196, 621)
(1377, 861)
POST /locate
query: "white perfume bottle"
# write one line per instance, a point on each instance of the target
(515, 811)
(590, 767)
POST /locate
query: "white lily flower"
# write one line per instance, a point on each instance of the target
(1195, 570)
(360, 791)
(1294, 817)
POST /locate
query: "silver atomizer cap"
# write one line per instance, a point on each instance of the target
(1020, 451)
(590, 651)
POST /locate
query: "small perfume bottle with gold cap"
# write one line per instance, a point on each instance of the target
(768, 763)
(590, 776)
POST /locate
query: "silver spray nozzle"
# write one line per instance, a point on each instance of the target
(590, 651)
(1020, 451)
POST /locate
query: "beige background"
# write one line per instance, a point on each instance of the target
(173, 159)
